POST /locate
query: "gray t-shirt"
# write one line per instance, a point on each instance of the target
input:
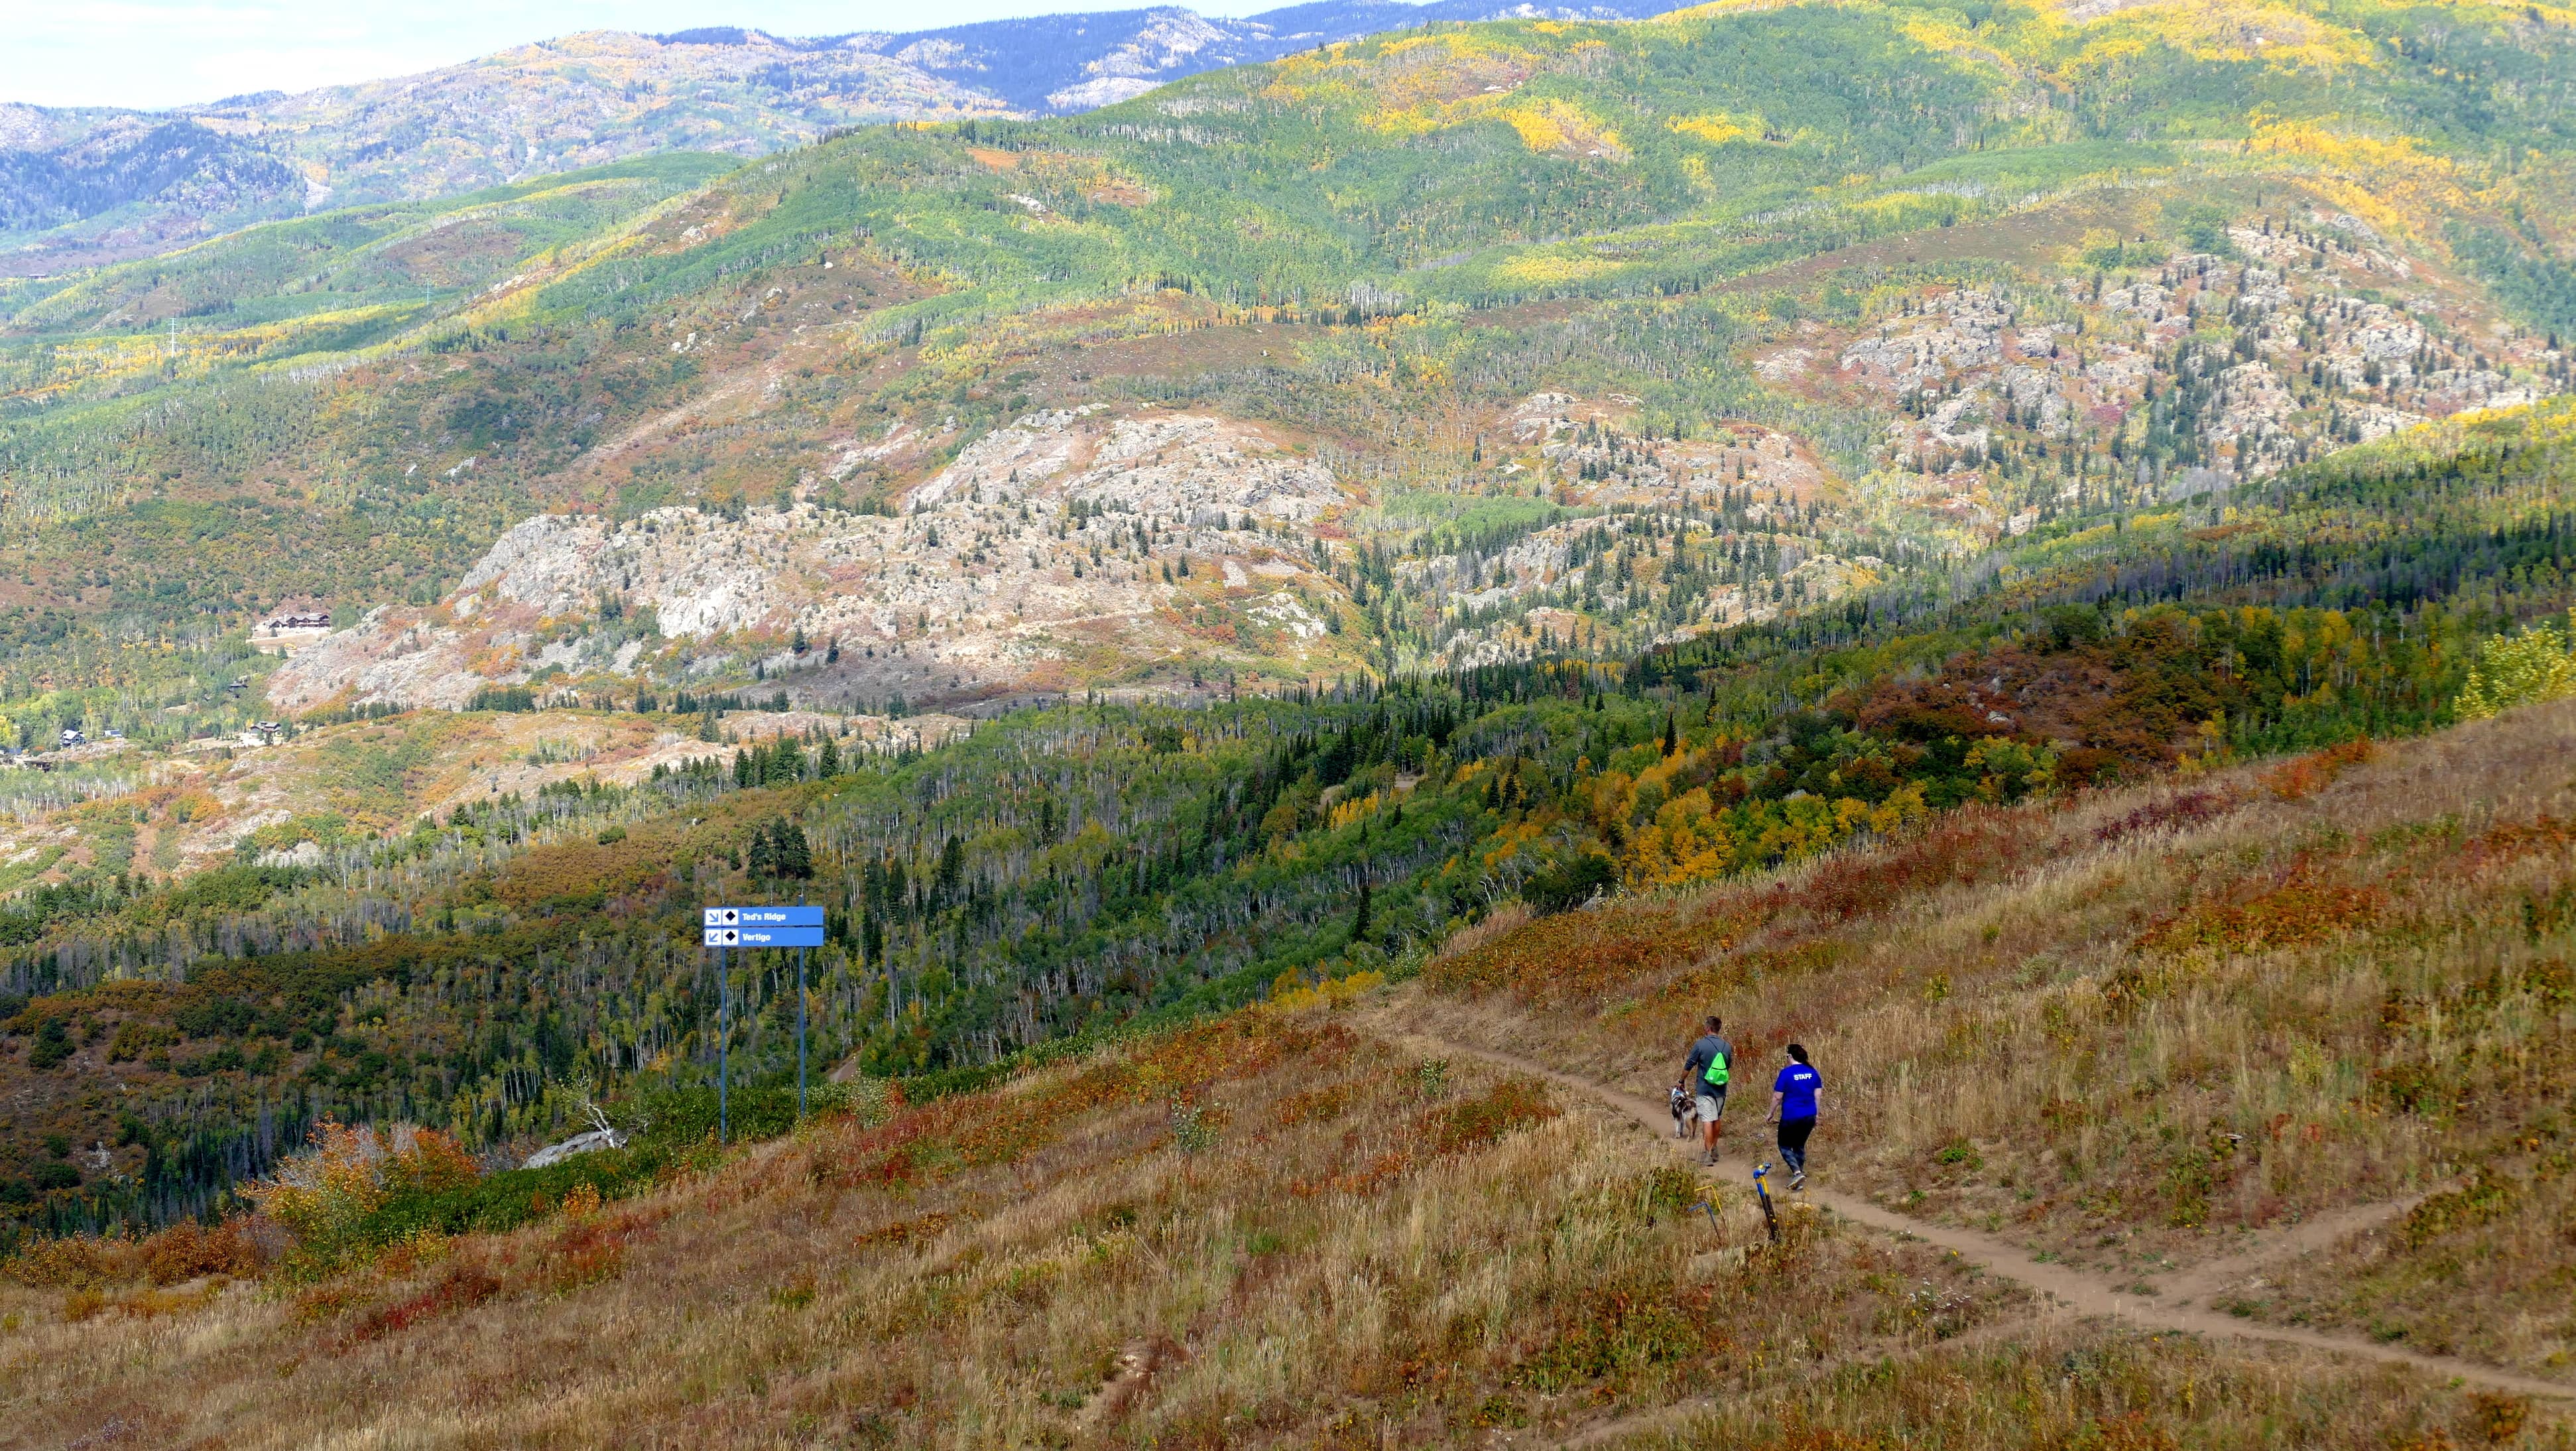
(1707, 1050)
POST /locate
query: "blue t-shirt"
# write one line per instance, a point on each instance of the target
(1797, 1085)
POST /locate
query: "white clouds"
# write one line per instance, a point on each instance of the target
(174, 52)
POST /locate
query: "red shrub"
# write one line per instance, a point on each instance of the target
(1510, 1106)
(2188, 809)
(464, 1285)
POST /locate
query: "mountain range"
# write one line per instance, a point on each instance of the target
(84, 185)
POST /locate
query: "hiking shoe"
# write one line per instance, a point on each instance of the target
(1798, 1181)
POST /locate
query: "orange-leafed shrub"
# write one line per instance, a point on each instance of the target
(2501, 844)
(1578, 954)
(185, 1251)
(2314, 772)
(77, 1262)
(591, 1248)
(2292, 915)
(426, 1161)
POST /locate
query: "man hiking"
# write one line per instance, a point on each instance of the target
(1704, 1075)
(1793, 1103)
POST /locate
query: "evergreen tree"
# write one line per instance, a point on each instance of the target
(742, 771)
(952, 868)
(795, 855)
(783, 764)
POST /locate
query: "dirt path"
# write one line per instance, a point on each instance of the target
(2308, 1236)
(2067, 1291)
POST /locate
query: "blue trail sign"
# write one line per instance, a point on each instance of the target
(799, 927)
(797, 916)
(762, 926)
(764, 936)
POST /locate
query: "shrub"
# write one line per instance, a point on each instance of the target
(53, 1045)
(75, 1262)
(1617, 1331)
(1570, 884)
(184, 1251)
(2490, 1198)
(2538, 664)
(2314, 772)
(322, 1195)
(1573, 953)
(461, 1287)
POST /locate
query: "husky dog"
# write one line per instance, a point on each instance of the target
(1685, 1113)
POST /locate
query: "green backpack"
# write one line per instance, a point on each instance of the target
(1716, 1074)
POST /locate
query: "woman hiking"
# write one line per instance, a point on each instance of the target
(1793, 1103)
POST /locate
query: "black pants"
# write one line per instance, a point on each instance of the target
(1793, 1142)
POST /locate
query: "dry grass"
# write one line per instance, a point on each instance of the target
(2131, 1028)
(1271, 1230)
(2063, 1386)
(2486, 1270)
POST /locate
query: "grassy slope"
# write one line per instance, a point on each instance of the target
(1286, 1227)
(2132, 1030)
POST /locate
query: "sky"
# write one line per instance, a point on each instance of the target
(172, 52)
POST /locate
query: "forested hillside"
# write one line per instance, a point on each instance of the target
(86, 185)
(1244, 534)
(1063, 871)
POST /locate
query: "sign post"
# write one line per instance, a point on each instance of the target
(724, 1047)
(800, 1029)
(800, 927)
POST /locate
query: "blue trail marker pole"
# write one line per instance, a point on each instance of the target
(800, 1028)
(800, 927)
(724, 1049)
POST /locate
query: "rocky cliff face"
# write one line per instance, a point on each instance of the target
(1071, 548)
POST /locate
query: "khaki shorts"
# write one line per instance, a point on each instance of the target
(1712, 1102)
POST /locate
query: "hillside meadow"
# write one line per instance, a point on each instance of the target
(2275, 990)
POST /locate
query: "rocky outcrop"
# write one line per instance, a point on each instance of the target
(1068, 541)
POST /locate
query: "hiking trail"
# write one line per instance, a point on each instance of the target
(2064, 1290)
